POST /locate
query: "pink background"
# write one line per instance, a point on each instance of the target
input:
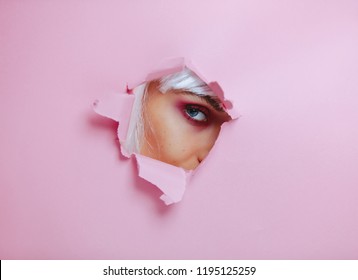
(281, 183)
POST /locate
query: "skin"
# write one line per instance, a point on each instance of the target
(180, 128)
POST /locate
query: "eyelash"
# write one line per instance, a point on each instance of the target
(197, 108)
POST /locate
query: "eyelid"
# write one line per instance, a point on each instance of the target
(213, 101)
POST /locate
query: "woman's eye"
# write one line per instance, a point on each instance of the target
(195, 113)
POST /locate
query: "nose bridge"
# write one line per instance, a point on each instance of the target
(208, 141)
(202, 153)
(205, 146)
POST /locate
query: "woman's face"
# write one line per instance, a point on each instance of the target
(180, 128)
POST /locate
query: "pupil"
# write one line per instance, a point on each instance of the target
(192, 112)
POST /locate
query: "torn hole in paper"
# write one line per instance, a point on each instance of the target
(169, 123)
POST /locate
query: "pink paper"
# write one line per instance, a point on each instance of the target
(170, 179)
(280, 182)
(116, 107)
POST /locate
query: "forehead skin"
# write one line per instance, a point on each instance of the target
(169, 135)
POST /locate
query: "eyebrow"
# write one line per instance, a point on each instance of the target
(213, 101)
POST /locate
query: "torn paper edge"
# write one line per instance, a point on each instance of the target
(170, 179)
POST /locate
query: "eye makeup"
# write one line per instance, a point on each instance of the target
(196, 113)
(197, 110)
